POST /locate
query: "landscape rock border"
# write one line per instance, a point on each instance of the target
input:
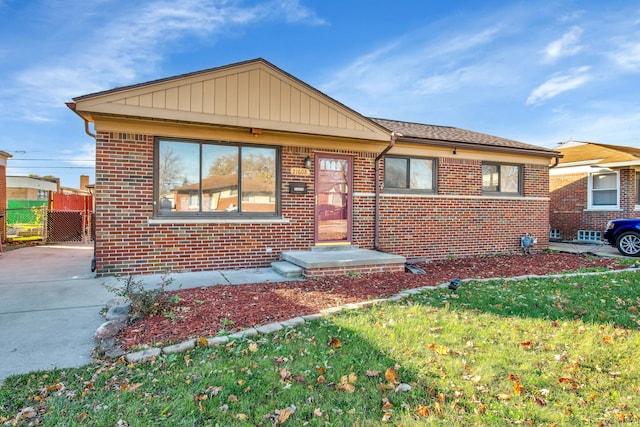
(116, 320)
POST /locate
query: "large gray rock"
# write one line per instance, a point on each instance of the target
(117, 301)
(118, 312)
(109, 329)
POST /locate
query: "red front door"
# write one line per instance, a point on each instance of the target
(333, 198)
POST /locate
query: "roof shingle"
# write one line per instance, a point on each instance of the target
(449, 134)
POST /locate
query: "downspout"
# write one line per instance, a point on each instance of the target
(86, 129)
(72, 107)
(93, 200)
(376, 207)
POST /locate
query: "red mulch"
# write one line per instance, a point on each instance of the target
(203, 312)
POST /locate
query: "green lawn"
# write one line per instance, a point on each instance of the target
(543, 352)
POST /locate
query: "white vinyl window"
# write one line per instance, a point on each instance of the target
(603, 190)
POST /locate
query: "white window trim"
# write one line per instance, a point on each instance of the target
(590, 206)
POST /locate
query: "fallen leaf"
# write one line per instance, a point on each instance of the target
(232, 398)
(200, 397)
(317, 412)
(526, 344)
(242, 417)
(422, 411)
(253, 347)
(373, 373)
(27, 412)
(55, 387)
(283, 416)
(345, 385)
(203, 342)
(321, 370)
(284, 374)
(391, 375)
(512, 377)
(334, 343)
(386, 404)
(518, 389)
(386, 417)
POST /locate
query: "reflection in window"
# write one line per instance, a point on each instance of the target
(604, 189)
(403, 173)
(216, 178)
(499, 178)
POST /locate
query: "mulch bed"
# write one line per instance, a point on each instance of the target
(203, 312)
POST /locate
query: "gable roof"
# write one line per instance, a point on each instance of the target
(456, 137)
(257, 94)
(252, 94)
(604, 155)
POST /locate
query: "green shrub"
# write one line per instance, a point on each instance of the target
(145, 301)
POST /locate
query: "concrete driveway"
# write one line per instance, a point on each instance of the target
(49, 308)
(50, 304)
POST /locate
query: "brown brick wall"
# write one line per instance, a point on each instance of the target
(568, 204)
(436, 226)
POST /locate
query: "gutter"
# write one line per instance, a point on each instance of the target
(72, 107)
(376, 213)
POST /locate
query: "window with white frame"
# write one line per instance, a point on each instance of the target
(501, 178)
(603, 190)
(216, 179)
(409, 174)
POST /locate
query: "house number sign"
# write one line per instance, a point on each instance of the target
(300, 172)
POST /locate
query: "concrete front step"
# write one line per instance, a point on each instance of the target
(287, 269)
(340, 262)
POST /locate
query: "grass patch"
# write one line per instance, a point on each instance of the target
(556, 352)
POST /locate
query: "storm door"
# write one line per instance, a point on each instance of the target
(333, 198)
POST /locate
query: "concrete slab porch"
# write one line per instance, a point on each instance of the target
(345, 261)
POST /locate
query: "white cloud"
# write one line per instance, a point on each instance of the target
(628, 56)
(406, 65)
(131, 41)
(558, 84)
(567, 45)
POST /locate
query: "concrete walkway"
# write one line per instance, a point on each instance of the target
(50, 302)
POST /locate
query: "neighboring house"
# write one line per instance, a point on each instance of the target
(592, 184)
(4, 156)
(23, 189)
(232, 166)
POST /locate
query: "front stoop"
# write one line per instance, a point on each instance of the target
(316, 263)
(287, 269)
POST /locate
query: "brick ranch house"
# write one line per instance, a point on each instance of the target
(230, 167)
(592, 184)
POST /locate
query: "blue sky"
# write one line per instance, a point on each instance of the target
(537, 72)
